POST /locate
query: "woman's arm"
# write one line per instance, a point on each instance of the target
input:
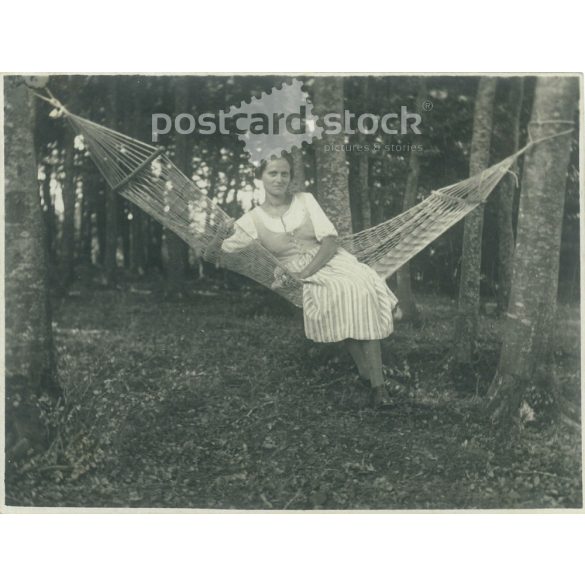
(327, 250)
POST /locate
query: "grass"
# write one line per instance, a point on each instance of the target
(219, 401)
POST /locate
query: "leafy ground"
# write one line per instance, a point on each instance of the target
(220, 402)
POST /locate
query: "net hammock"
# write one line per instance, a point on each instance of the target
(144, 175)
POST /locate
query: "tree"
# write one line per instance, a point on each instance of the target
(176, 247)
(526, 368)
(468, 307)
(72, 87)
(298, 182)
(506, 192)
(403, 277)
(154, 245)
(68, 238)
(138, 223)
(49, 212)
(31, 373)
(111, 216)
(332, 172)
(364, 169)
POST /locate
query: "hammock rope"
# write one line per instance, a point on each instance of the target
(144, 175)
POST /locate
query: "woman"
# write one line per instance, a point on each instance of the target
(343, 299)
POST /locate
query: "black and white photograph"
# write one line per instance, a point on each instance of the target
(292, 293)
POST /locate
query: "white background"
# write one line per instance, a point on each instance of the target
(295, 37)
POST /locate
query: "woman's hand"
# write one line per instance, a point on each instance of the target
(284, 279)
(226, 229)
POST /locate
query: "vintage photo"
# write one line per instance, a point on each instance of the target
(289, 292)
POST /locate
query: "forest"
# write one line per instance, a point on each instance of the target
(139, 374)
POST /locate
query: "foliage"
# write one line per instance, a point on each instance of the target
(221, 169)
(220, 402)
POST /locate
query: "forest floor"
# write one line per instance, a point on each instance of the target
(219, 401)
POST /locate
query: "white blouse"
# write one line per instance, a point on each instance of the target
(301, 205)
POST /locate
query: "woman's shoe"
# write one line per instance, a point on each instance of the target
(363, 389)
(380, 398)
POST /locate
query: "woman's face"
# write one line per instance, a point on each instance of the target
(276, 178)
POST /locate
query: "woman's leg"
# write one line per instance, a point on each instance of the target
(373, 354)
(356, 351)
(367, 355)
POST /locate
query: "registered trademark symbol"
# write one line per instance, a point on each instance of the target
(427, 105)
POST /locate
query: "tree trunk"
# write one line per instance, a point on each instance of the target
(526, 369)
(139, 218)
(154, 247)
(468, 307)
(376, 196)
(506, 192)
(176, 265)
(137, 240)
(68, 239)
(30, 359)
(332, 172)
(100, 218)
(86, 219)
(298, 183)
(178, 252)
(404, 293)
(364, 171)
(49, 215)
(124, 225)
(364, 189)
(111, 239)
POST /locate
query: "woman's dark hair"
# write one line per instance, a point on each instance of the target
(285, 155)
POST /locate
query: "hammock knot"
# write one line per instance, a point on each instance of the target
(515, 175)
(59, 111)
(539, 123)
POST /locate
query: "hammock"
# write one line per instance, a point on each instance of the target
(144, 175)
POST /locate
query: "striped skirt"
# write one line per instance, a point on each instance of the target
(346, 299)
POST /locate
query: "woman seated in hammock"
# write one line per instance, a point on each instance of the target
(343, 299)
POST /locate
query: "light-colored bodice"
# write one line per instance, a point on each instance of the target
(293, 238)
(287, 245)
